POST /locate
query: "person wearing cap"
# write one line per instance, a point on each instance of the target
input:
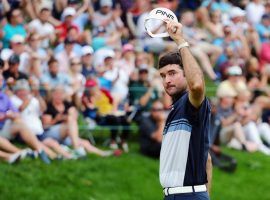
(119, 80)
(13, 73)
(235, 81)
(185, 164)
(127, 63)
(62, 27)
(87, 62)
(13, 27)
(43, 28)
(231, 130)
(107, 17)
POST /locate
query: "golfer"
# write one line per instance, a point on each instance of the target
(185, 165)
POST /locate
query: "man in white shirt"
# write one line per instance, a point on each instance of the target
(43, 27)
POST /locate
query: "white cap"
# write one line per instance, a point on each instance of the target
(69, 11)
(87, 50)
(237, 12)
(5, 54)
(17, 39)
(234, 71)
(159, 14)
(106, 3)
(225, 90)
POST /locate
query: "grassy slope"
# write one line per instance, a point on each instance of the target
(129, 177)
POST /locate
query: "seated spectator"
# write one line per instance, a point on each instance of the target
(8, 152)
(77, 80)
(53, 77)
(43, 28)
(62, 27)
(98, 105)
(227, 120)
(248, 117)
(12, 126)
(12, 74)
(254, 11)
(37, 57)
(88, 69)
(200, 48)
(151, 130)
(142, 92)
(30, 110)
(236, 41)
(13, 27)
(60, 123)
(107, 17)
(65, 55)
(263, 28)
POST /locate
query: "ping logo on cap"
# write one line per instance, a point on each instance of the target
(162, 14)
(168, 15)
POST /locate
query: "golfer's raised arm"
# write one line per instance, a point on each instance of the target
(193, 73)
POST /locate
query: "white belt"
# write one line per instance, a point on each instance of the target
(184, 189)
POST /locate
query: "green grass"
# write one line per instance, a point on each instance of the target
(129, 177)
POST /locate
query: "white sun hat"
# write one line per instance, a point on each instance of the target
(162, 14)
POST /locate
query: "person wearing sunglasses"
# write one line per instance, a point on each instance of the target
(151, 128)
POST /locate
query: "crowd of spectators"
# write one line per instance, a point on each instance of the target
(61, 59)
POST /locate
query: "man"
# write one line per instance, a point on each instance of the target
(43, 28)
(151, 129)
(184, 157)
(13, 74)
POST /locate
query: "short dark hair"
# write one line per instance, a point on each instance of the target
(169, 59)
(52, 60)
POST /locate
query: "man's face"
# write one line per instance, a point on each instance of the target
(105, 9)
(173, 79)
(14, 67)
(157, 110)
(17, 16)
(22, 94)
(53, 68)
(87, 59)
(44, 15)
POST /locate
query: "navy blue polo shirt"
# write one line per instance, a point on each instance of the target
(185, 144)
